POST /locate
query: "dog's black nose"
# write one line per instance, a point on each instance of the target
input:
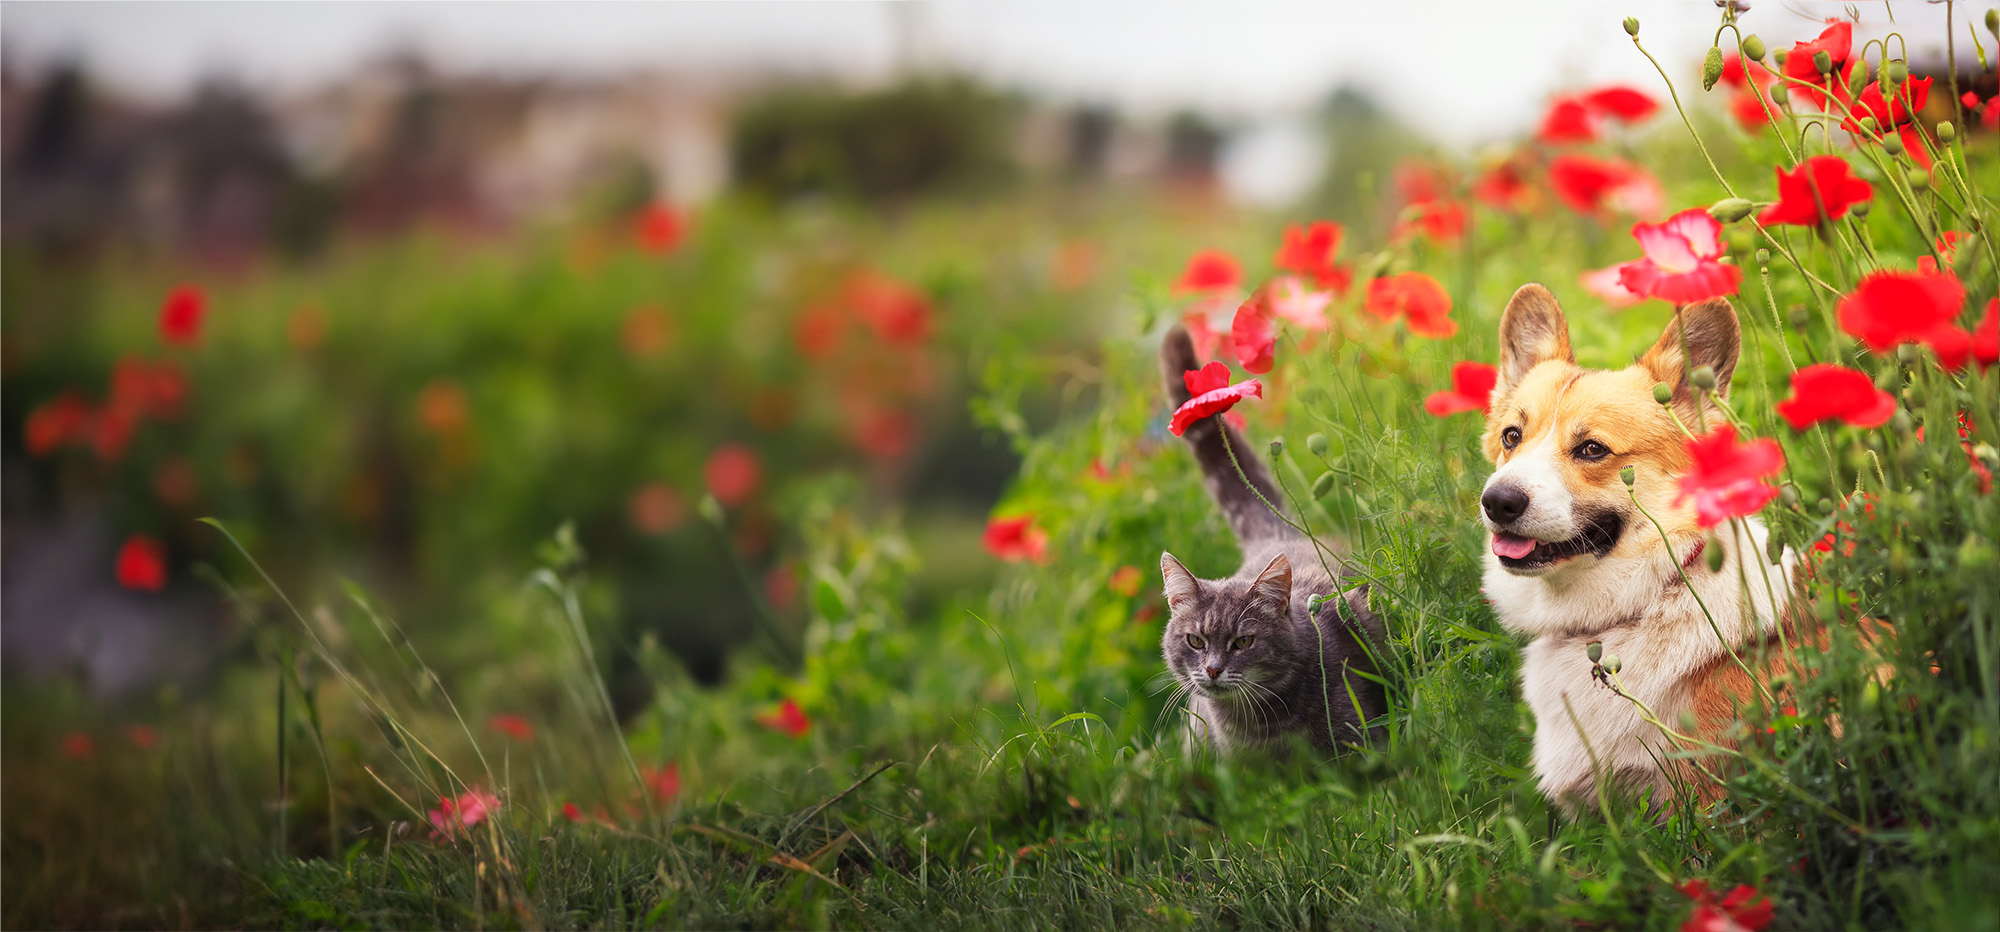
(1504, 502)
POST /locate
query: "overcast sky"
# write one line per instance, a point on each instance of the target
(1471, 70)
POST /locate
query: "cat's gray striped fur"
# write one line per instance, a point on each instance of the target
(1258, 669)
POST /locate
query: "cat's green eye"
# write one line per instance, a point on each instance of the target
(1197, 642)
(1243, 642)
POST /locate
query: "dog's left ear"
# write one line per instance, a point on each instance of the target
(1704, 334)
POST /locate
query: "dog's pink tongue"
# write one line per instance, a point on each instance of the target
(1511, 547)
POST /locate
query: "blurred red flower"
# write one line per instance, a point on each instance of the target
(1206, 339)
(1504, 186)
(880, 433)
(139, 388)
(142, 564)
(1290, 299)
(180, 315)
(896, 312)
(1567, 121)
(1253, 333)
(442, 407)
(646, 332)
(1892, 307)
(817, 330)
(1753, 109)
(1608, 284)
(1819, 180)
(781, 586)
(1947, 251)
(1209, 270)
(1442, 221)
(1471, 390)
(513, 726)
(1075, 264)
(1837, 41)
(142, 737)
(77, 746)
(665, 782)
(1986, 336)
(1734, 74)
(305, 329)
(1909, 99)
(454, 816)
(1418, 298)
(1680, 264)
(1309, 251)
(1125, 581)
(1842, 528)
(655, 508)
(1212, 395)
(1743, 910)
(1585, 184)
(732, 474)
(1824, 392)
(660, 229)
(571, 813)
(56, 423)
(788, 718)
(1016, 539)
(1621, 103)
(114, 429)
(1725, 478)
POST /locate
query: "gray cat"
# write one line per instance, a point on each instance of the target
(1259, 669)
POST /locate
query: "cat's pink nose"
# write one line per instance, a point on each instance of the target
(1214, 672)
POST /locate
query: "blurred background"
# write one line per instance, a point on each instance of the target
(396, 291)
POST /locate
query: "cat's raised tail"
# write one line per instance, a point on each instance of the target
(1248, 515)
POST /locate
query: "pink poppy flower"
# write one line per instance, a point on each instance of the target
(1290, 299)
(1681, 260)
(1212, 395)
(1743, 910)
(1726, 478)
(1825, 392)
(1471, 390)
(455, 817)
(1608, 285)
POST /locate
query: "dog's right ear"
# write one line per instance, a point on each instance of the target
(1181, 587)
(1532, 331)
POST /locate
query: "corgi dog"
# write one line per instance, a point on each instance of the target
(1573, 559)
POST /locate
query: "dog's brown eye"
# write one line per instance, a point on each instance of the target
(1510, 438)
(1243, 642)
(1197, 642)
(1592, 451)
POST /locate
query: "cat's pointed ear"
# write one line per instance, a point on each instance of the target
(1274, 585)
(1181, 586)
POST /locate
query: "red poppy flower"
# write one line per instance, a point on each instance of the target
(1986, 336)
(1621, 103)
(1442, 221)
(880, 433)
(1586, 184)
(1471, 390)
(1126, 581)
(442, 407)
(139, 388)
(56, 423)
(1209, 270)
(1743, 909)
(513, 726)
(1416, 296)
(1291, 300)
(1726, 478)
(77, 746)
(142, 564)
(660, 229)
(114, 427)
(1681, 260)
(655, 509)
(1016, 539)
(453, 817)
(1837, 40)
(1820, 180)
(732, 474)
(1503, 186)
(1910, 98)
(665, 782)
(1894, 307)
(1212, 395)
(1254, 334)
(180, 315)
(1309, 251)
(1947, 250)
(142, 737)
(1204, 335)
(1753, 109)
(1824, 392)
(1608, 284)
(571, 813)
(1567, 121)
(788, 718)
(896, 312)
(1735, 74)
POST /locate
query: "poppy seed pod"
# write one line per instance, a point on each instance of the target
(1753, 47)
(1323, 484)
(1779, 94)
(1277, 447)
(1822, 61)
(1703, 377)
(1662, 392)
(1892, 145)
(1611, 663)
(1632, 25)
(1730, 209)
(1764, 256)
(1594, 650)
(1825, 505)
(1859, 208)
(1316, 443)
(1627, 476)
(1897, 71)
(1712, 553)
(1867, 124)
(1900, 421)
(1711, 68)
(1946, 132)
(1789, 496)
(1993, 22)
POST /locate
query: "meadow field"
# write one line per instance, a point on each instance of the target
(794, 564)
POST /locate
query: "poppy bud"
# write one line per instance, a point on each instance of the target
(1892, 145)
(1799, 315)
(1909, 354)
(1316, 443)
(1753, 47)
(1711, 68)
(1611, 663)
(1703, 378)
(1763, 257)
(1277, 447)
(1662, 392)
(1774, 549)
(1730, 209)
(1822, 61)
(1594, 650)
(1917, 177)
(1859, 208)
(1900, 422)
(1627, 475)
(1946, 132)
(1323, 484)
(1857, 80)
(1789, 496)
(1632, 25)
(1993, 21)
(1712, 553)
(709, 509)
(1825, 505)
(1779, 94)
(1897, 71)
(1867, 124)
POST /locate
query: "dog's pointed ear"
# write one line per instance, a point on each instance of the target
(1704, 334)
(1181, 587)
(1274, 585)
(1532, 331)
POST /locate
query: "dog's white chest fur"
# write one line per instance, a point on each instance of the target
(1639, 609)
